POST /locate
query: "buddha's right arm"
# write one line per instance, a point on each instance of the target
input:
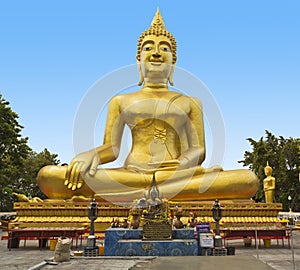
(107, 153)
(87, 162)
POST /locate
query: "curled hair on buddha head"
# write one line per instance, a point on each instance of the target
(157, 28)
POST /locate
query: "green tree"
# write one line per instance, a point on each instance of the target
(13, 151)
(283, 155)
(19, 164)
(27, 184)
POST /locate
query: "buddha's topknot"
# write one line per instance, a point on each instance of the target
(157, 28)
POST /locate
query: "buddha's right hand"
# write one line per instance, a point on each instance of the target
(79, 166)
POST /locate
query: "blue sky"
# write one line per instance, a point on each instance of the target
(246, 52)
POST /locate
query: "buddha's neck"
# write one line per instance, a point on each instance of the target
(155, 87)
(161, 83)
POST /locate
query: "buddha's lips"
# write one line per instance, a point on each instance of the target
(154, 63)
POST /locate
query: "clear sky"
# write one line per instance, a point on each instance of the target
(246, 52)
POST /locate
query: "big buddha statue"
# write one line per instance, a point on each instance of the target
(167, 132)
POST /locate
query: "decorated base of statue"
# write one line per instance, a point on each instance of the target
(128, 242)
(74, 214)
(91, 251)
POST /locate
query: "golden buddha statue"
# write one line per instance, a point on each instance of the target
(167, 139)
(269, 184)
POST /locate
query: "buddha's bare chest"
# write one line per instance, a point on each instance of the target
(141, 111)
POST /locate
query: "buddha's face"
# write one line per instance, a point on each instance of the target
(156, 58)
(268, 171)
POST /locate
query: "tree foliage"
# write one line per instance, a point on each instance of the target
(283, 155)
(19, 164)
(27, 184)
(13, 151)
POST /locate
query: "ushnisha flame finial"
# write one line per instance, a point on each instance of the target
(157, 24)
(157, 28)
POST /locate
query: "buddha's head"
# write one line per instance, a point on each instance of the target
(156, 54)
(268, 170)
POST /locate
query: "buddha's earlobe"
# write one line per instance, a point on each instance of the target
(171, 75)
(141, 79)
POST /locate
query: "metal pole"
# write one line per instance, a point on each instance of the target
(292, 247)
(256, 241)
(217, 228)
(92, 229)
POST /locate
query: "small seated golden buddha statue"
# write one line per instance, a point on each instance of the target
(167, 131)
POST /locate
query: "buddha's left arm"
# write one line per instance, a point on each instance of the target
(195, 154)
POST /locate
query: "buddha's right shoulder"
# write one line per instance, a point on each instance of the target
(116, 99)
(124, 98)
(120, 101)
(115, 102)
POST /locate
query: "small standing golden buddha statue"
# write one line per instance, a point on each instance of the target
(269, 184)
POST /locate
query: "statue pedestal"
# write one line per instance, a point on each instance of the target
(91, 241)
(127, 242)
(67, 214)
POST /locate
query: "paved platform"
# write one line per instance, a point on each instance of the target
(246, 258)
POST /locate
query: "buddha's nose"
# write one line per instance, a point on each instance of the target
(156, 52)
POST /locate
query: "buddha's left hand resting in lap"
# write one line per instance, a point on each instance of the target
(167, 139)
